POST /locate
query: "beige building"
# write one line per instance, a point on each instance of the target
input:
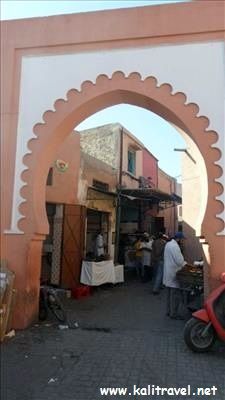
(117, 147)
(147, 193)
(76, 216)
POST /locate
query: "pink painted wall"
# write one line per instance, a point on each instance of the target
(131, 142)
(65, 184)
(150, 167)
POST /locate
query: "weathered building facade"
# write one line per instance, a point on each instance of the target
(80, 201)
(136, 169)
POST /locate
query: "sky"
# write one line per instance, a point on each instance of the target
(15, 9)
(155, 133)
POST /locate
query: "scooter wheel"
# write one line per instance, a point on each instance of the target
(194, 338)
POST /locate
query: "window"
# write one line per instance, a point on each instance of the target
(180, 211)
(131, 161)
(101, 185)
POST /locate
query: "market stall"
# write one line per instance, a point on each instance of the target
(98, 273)
(191, 281)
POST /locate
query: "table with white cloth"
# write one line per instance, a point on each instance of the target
(119, 273)
(97, 273)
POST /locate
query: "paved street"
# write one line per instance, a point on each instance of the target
(124, 339)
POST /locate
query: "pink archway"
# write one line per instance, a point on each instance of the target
(79, 105)
(104, 93)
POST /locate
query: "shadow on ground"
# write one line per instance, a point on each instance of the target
(124, 339)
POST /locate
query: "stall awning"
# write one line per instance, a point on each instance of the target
(155, 196)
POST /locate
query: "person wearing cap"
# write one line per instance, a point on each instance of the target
(173, 262)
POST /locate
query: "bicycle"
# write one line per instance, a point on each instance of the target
(49, 300)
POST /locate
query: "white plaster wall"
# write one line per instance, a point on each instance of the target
(194, 186)
(197, 69)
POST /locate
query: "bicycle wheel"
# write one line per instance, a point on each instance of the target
(56, 307)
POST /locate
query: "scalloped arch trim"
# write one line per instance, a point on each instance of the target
(93, 97)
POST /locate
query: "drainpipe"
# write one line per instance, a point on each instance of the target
(118, 203)
(175, 227)
(174, 211)
(121, 157)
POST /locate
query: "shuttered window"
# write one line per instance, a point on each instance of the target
(131, 162)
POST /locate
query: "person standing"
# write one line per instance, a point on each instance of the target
(99, 245)
(138, 257)
(146, 246)
(157, 261)
(173, 262)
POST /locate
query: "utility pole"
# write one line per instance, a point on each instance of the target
(118, 217)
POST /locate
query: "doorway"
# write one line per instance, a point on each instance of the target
(96, 221)
(47, 250)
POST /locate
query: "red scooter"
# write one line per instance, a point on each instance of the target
(207, 324)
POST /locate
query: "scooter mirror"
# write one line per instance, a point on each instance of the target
(223, 277)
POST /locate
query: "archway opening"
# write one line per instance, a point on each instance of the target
(177, 155)
(118, 96)
(99, 145)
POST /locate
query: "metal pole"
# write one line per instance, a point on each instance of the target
(118, 217)
(118, 204)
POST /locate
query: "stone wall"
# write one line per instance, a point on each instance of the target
(102, 143)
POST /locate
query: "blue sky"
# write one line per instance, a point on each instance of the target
(156, 134)
(14, 9)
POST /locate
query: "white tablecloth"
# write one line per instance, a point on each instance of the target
(97, 273)
(119, 273)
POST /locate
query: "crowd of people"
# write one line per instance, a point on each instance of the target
(160, 258)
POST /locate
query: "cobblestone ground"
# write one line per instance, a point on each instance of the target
(124, 339)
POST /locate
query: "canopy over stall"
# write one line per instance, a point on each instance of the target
(154, 196)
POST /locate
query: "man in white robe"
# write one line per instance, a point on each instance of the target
(99, 245)
(173, 262)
